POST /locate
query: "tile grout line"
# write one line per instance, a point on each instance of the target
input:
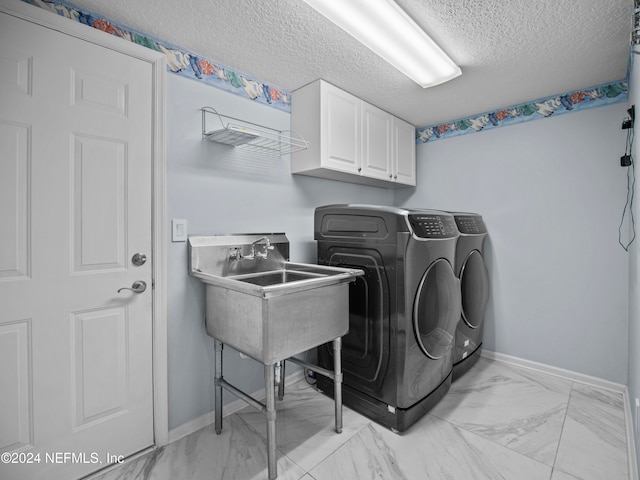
(583, 379)
(517, 366)
(366, 425)
(311, 386)
(357, 432)
(471, 432)
(564, 420)
(263, 439)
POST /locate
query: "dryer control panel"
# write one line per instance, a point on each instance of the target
(470, 224)
(433, 226)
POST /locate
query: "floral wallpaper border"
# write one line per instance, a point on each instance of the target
(190, 65)
(597, 96)
(179, 60)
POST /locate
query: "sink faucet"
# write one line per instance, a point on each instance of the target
(267, 247)
(235, 253)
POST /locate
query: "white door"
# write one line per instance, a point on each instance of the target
(75, 206)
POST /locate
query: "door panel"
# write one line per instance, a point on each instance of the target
(99, 93)
(100, 364)
(75, 191)
(99, 203)
(14, 191)
(15, 378)
(16, 71)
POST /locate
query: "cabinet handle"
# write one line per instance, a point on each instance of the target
(359, 169)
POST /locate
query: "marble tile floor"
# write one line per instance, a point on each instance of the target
(499, 421)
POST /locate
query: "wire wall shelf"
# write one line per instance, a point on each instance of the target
(250, 136)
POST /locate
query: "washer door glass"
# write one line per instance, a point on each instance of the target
(436, 310)
(475, 289)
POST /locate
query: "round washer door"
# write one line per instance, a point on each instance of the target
(475, 289)
(436, 309)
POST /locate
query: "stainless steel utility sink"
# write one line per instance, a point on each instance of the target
(270, 309)
(264, 306)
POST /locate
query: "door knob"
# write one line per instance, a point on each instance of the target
(139, 259)
(138, 286)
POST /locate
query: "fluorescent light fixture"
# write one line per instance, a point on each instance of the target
(387, 30)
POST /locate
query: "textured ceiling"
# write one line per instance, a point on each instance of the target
(510, 51)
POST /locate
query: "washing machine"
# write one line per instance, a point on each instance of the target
(397, 358)
(471, 270)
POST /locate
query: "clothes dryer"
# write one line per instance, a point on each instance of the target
(397, 357)
(471, 269)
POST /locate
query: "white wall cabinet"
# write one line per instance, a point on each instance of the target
(404, 152)
(341, 124)
(351, 140)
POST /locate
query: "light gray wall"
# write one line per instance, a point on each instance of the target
(219, 189)
(634, 272)
(551, 192)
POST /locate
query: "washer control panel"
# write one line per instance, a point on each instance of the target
(470, 224)
(433, 226)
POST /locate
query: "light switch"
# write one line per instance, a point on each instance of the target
(179, 230)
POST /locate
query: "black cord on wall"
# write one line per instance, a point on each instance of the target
(627, 161)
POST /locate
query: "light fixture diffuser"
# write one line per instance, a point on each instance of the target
(383, 27)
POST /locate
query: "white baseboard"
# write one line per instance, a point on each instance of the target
(586, 379)
(230, 408)
(556, 371)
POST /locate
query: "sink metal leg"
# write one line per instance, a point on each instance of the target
(281, 382)
(269, 379)
(337, 382)
(218, 386)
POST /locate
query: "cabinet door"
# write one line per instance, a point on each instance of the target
(341, 130)
(376, 142)
(404, 152)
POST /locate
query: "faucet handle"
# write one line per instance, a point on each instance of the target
(267, 244)
(235, 253)
(263, 241)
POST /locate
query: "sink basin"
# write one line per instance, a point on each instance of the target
(271, 310)
(284, 278)
(287, 272)
(277, 277)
